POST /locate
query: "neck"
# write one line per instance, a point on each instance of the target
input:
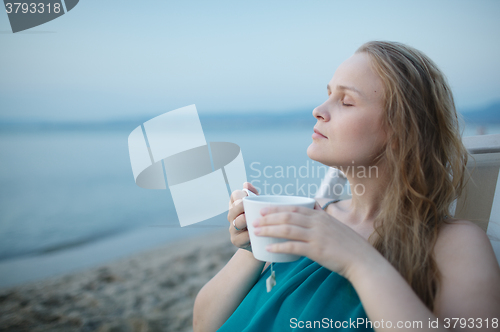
(366, 188)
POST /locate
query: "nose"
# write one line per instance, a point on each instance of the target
(321, 113)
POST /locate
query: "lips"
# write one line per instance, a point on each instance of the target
(316, 131)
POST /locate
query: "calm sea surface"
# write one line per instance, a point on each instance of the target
(60, 188)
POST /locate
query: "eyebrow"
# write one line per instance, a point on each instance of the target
(343, 87)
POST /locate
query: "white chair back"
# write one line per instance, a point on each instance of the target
(480, 203)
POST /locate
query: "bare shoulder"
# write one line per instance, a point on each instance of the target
(470, 275)
(463, 240)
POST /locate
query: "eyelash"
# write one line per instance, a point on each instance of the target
(342, 101)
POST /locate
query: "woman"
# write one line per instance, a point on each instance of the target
(389, 109)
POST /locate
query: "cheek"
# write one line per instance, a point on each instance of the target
(371, 138)
(352, 131)
(359, 137)
(366, 127)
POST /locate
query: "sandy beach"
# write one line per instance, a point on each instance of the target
(149, 291)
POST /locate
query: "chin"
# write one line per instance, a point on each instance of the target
(315, 154)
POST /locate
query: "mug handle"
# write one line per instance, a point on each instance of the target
(249, 193)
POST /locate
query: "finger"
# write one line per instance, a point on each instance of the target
(235, 210)
(240, 240)
(236, 195)
(249, 186)
(289, 208)
(240, 223)
(290, 232)
(283, 218)
(290, 247)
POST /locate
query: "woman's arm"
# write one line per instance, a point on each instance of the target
(388, 300)
(469, 296)
(470, 287)
(470, 275)
(218, 299)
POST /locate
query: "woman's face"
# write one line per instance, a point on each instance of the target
(349, 129)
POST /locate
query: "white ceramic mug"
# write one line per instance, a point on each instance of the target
(252, 205)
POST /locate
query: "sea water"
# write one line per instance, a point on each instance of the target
(59, 189)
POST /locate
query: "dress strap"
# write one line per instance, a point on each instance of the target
(330, 202)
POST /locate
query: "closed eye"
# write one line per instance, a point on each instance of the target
(344, 104)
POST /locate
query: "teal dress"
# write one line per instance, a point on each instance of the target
(307, 296)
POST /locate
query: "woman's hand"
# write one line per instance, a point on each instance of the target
(239, 238)
(316, 235)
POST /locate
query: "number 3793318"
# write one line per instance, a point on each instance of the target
(32, 8)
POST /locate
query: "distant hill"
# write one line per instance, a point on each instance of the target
(209, 121)
(257, 119)
(484, 116)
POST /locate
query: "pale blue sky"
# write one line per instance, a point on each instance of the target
(119, 59)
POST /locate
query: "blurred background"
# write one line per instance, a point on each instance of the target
(73, 89)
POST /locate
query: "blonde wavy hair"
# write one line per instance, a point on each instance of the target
(426, 158)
